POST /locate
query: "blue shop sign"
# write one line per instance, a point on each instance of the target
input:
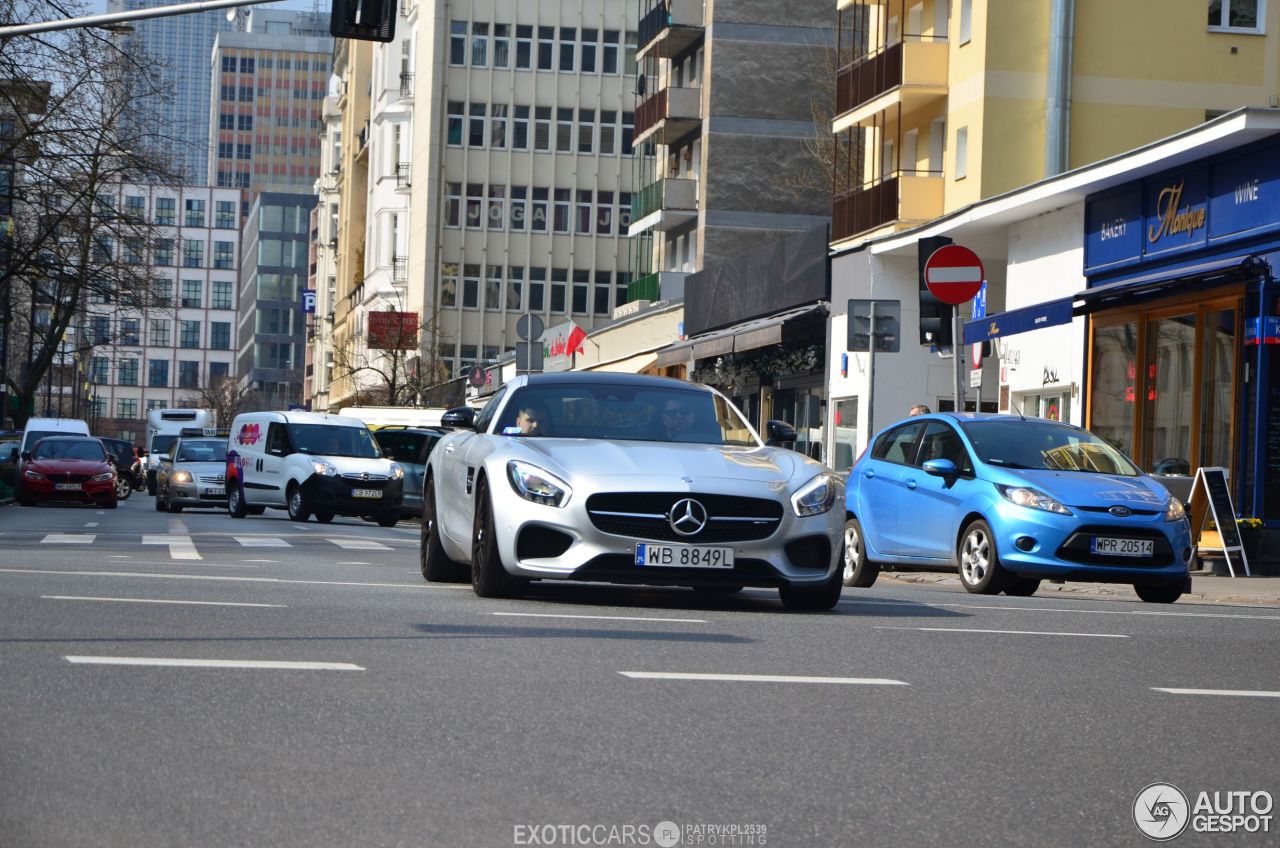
(1245, 194)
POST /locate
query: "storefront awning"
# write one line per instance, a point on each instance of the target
(631, 365)
(1186, 278)
(756, 333)
(1049, 314)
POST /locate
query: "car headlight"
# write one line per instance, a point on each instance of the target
(1176, 511)
(103, 477)
(817, 496)
(1033, 499)
(324, 468)
(181, 477)
(33, 475)
(534, 484)
(397, 471)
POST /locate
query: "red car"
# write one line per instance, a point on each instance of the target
(67, 469)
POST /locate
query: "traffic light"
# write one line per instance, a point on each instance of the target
(935, 316)
(363, 20)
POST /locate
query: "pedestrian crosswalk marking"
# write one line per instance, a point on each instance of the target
(262, 542)
(180, 547)
(360, 545)
(69, 539)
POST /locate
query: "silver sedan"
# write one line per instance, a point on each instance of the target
(193, 476)
(626, 479)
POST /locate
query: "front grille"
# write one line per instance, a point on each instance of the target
(212, 478)
(68, 478)
(1076, 548)
(1107, 509)
(643, 515)
(362, 478)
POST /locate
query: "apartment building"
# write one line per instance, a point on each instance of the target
(163, 355)
(323, 274)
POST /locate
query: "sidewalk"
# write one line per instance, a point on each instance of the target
(1206, 588)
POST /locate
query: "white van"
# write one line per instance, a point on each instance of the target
(310, 464)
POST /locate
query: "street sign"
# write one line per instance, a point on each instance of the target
(529, 327)
(979, 311)
(476, 375)
(975, 379)
(953, 274)
(528, 357)
(887, 317)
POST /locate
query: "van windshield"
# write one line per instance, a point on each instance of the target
(328, 440)
(162, 443)
(36, 435)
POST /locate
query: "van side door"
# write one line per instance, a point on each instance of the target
(271, 480)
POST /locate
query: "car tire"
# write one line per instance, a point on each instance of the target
(1165, 593)
(158, 503)
(171, 506)
(388, 520)
(813, 598)
(151, 483)
(324, 517)
(436, 565)
(1021, 587)
(489, 579)
(856, 570)
(299, 509)
(980, 570)
(123, 488)
(235, 500)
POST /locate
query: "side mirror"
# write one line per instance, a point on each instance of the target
(26, 456)
(164, 457)
(459, 418)
(941, 468)
(779, 433)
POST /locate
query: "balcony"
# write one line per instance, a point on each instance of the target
(662, 285)
(664, 205)
(910, 73)
(903, 199)
(403, 169)
(669, 115)
(670, 28)
(406, 85)
(400, 269)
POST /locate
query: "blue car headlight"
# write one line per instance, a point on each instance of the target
(533, 484)
(817, 496)
(1176, 511)
(1032, 498)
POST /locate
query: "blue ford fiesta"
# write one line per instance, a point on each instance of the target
(1011, 500)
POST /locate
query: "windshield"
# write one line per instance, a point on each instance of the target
(624, 413)
(162, 443)
(69, 449)
(202, 450)
(329, 440)
(1015, 443)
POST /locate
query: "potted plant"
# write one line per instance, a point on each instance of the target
(1251, 537)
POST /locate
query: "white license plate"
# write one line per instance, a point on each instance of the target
(213, 490)
(1110, 546)
(67, 487)
(366, 493)
(683, 556)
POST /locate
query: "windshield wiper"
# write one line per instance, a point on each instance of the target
(1005, 463)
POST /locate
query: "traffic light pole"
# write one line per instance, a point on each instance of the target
(871, 374)
(957, 359)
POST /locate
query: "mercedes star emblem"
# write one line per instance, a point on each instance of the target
(687, 517)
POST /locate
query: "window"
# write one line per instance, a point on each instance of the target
(624, 211)
(228, 64)
(126, 407)
(470, 286)
(496, 211)
(563, 197)
(195, 213)
(493, 288)
(244, 151)
(475, 127)
(164, 251)
(586, 130)
(219, 371)
(244, 123)
(609, 56)
(546, 47)
(99, 369)
(564, 130)
(498, 125)
(475, 203)
(159, 332)
(225, 214)
(628, 127)
(220, 335)
(100, 329)
(1236, 14)
(589, 51)
(449, 284)
(538, 216)
(559, 289)
(129, 330)
(966, 21)
(568, 44)
(582, 225)
(518, 196)
(224, 254)
(962, 153)
(156, 404)
(524, 46)
(226, 122)
(537, 289)
(189, 334)
(542, 128)
(192, 294)
(226, 150)
(458, 43)
(127, 372)
(515, 282)
(135, 208)
(188, 374)
(246, 64)
(246, 94)
(608, 131)
(452, 204)
(192, 253)
(898, 445)
(479, 45)
(580, 290)
(600, 305)
(220, 294)
(501, 45)
(158, 373)
(455, 124)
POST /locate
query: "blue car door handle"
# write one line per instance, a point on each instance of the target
(911, 484)
(868, 474)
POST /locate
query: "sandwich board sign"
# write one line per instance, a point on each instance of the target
(1210, 495)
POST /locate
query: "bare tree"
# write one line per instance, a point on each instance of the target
(225, 397)
(396, 365)
(65, 100)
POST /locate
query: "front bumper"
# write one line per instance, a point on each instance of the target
(44, 491)
(198, 494)
(336, 495)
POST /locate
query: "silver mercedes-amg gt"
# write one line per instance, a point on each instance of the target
(623, 478)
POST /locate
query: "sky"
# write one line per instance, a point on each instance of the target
(98, 7)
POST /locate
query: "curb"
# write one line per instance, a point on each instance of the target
(1084, 590)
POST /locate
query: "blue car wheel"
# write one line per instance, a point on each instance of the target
(980, 570)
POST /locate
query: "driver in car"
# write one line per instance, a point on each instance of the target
(677, 418)
(532, 419)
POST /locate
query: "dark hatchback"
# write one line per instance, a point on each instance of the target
(409, 446)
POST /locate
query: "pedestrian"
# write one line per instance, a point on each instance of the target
(919, 409)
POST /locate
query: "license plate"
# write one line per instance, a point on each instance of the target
(67, 487)
(684, 556)
(213, 490)
(1110, 546)
(366, 493)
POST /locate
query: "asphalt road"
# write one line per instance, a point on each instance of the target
(383, 711)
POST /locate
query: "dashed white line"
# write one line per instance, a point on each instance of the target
(262, 542)
(69, 539)
(145, 574)
(600, 617)
(176, 662)
(91, 524)
(180, 547)
(1232, 693)
(1004, 632)
(763, 678)
(274, 561)
(158, 601)
(359, 544)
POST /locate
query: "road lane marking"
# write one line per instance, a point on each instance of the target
(1006, 632)
(262, 542)
(763, 678)
(180, 547)
(353, 563)
(359, 544)
(156, 601)
(600, 617)
(1234, 693)
(69, 539)
(1062, 609)
(91, 524)
(120, 556)
(275, 561)
(232, 579)
(176, 525)
(188, 663)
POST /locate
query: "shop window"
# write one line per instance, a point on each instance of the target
(844, 434)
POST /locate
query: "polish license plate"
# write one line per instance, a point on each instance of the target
(1110, 546)
(67, 487)
(366, 493)
(216, 491)
(683, 556)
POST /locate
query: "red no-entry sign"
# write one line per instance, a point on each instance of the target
(953, 274)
